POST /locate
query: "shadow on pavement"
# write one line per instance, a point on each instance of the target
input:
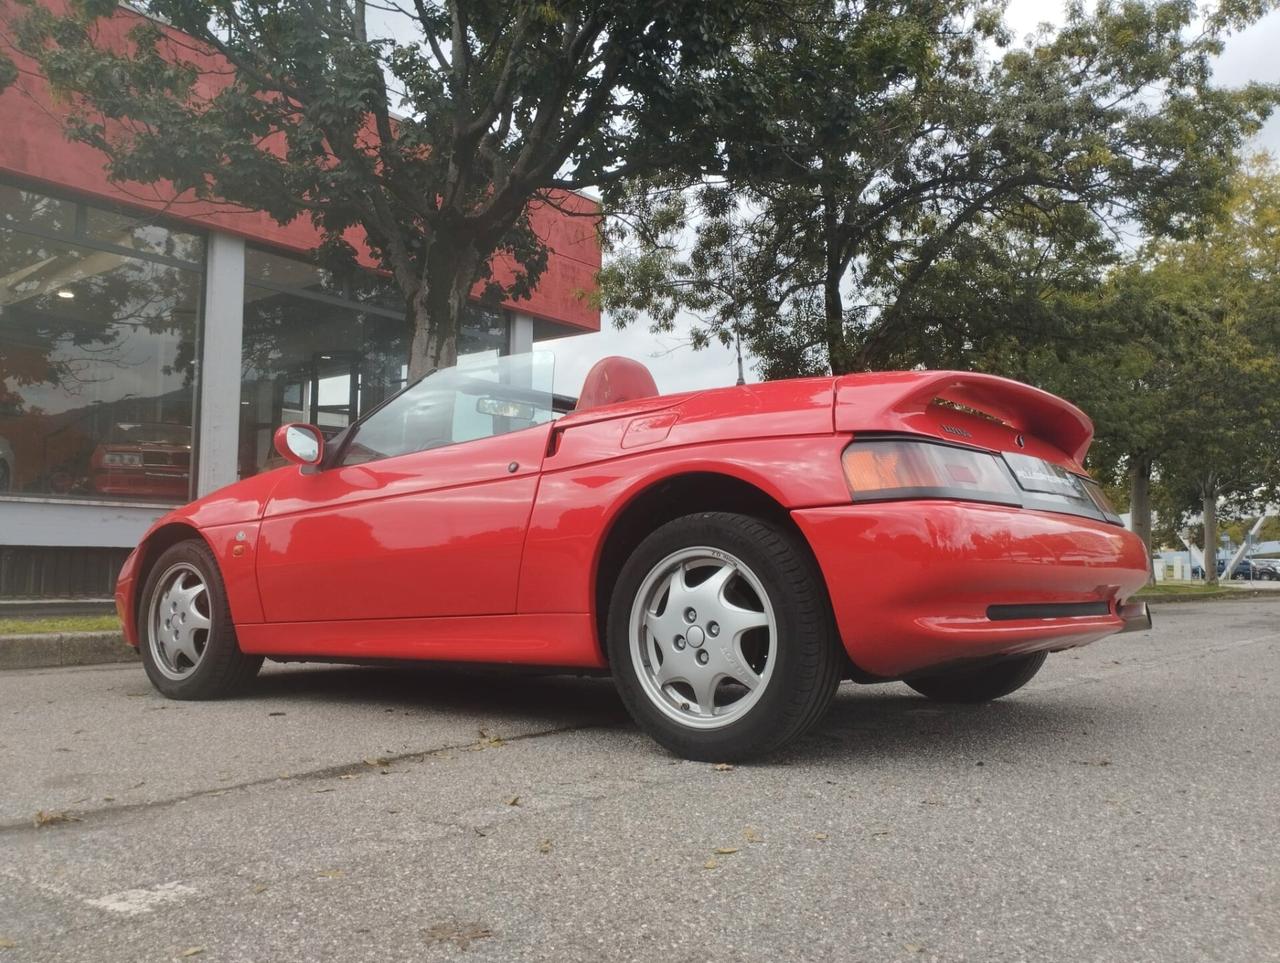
(864, 721)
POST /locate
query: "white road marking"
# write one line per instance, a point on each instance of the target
(135, 902)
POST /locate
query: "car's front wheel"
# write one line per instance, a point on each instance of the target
(189, 647)
(979, 683)
(721, 637)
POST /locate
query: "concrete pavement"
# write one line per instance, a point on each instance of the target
(1122, 807)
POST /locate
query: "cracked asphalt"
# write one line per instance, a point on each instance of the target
(1124, 806)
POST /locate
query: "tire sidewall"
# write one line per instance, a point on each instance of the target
(757, 727)
(221, 633)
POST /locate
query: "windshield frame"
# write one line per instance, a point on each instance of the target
(337, 447)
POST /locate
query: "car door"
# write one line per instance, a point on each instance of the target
(423, 515)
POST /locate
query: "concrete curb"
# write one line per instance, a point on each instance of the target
(63, 649)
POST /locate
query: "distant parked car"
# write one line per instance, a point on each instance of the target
(1246, 569)
(1267, 569)
(6, 466)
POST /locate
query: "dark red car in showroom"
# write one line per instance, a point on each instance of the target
(727, 555)
(143, 460)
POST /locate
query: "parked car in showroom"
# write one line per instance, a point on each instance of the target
(727, 555)
(7, 470)
(144, 460)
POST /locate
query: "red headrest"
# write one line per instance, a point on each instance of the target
(615, 379)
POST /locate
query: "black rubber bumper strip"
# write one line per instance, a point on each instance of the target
(1048, 610)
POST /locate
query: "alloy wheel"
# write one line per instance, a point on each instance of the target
(179, 621)
(703, 637)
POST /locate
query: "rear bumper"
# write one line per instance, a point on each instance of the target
(913, 583)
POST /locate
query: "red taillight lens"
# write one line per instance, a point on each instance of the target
(878, 469)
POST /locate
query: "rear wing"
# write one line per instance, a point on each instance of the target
(887, 402)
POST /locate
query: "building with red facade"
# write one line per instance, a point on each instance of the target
(150, 347)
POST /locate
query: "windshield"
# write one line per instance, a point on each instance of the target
(476, 399)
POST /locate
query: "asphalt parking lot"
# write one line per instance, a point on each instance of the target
(1125, 806)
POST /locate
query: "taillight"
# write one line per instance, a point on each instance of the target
(880, 469)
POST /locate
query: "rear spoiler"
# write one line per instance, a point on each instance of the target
(885, 401)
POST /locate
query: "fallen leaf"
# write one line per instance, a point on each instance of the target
(377, 762)
(6, 944)
(710, 864)
(724, 767)
(725, 850)
(461, 935)
(513, 801)
(276, 713)
(820, 837)
(330, 874)
(752, 836)
(54, 818)
(260, 888)
(330, 789)
(192, 951)
(349, 775)
(544, 846)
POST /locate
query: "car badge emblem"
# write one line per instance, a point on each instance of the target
(953, 430)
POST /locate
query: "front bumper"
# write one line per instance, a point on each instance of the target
(913, 583)
(126, 598)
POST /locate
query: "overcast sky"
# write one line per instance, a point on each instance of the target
(1250, 55)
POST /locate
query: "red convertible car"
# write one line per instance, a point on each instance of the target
(727, 555)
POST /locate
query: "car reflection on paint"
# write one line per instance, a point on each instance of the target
(144, 459)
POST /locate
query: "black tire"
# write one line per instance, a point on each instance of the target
(222, 669)
(808, 657)
(980, 683)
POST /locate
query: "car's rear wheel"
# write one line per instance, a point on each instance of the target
(721, 637)
(189, 647)
(979, 683)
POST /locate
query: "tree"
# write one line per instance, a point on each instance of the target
(886, 137)
(287, 108)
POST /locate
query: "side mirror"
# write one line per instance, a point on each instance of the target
(300, 444)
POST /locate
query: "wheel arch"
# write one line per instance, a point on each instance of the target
(155, 545)
(662, 501)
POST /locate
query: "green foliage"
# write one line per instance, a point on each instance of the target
(897, 184)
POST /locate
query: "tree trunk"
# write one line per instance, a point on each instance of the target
(438, 310)
(1140, 505)
(838, 354)
(1211, 539)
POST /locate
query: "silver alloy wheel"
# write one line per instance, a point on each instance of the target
(179, 620)
(702, 619)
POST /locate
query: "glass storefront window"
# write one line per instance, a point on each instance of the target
(323, 349)
(97, 351)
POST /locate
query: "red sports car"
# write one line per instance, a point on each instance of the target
(727, 555)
